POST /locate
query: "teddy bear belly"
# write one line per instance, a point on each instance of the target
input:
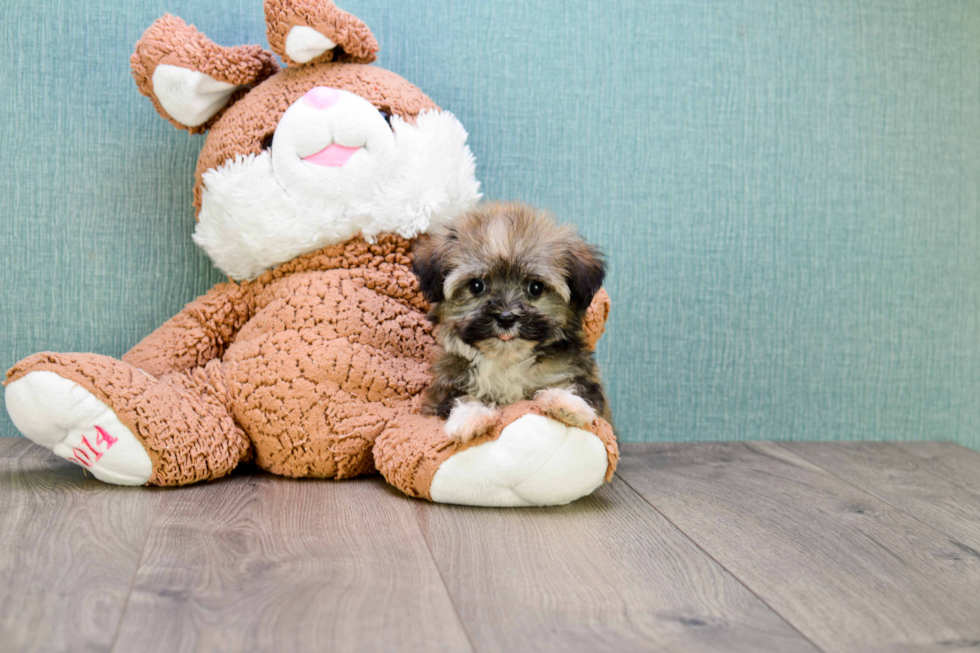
(315, 376)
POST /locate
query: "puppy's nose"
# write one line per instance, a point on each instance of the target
(506, 319)
(321, 97)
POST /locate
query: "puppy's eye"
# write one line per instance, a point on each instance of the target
(267, 142)
(535, 288)
(477, 286)
(386, 116)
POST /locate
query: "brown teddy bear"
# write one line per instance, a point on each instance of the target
(310, 187)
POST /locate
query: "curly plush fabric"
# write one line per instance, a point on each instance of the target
(353, 38)
(318, 354)
(173, 42)
(596, 316)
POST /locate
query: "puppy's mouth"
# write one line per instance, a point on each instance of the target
(510, 335)
(508, 332)
(481, 329)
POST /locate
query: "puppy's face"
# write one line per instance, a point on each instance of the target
(505, 277)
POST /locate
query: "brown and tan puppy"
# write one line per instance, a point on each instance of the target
(509, 289)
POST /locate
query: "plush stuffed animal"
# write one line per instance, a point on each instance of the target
(310, 186)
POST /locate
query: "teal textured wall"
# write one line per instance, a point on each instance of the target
(787, 191)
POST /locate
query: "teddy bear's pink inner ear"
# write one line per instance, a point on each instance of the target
(304, 31)
(190, 78)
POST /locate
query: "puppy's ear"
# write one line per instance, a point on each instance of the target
(585, 273)
(429, 265)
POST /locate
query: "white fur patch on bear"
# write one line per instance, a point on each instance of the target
(536, 461)
(189, 96)
(254, 217)
(64, 417)
(306, 44)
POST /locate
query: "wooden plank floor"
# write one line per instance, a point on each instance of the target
(694, 547)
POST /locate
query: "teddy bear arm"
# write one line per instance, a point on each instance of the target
(596, 316)
(196, 335)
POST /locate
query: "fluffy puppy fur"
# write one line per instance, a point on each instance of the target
(509, 288)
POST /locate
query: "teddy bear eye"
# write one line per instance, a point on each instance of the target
(267, 142)
(477, 286)
(535, 288)
(386, 116)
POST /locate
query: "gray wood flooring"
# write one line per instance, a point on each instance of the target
(786, 547)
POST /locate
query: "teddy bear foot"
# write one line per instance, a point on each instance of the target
(62, 416)
(536, 461)
(124, 425)
(526, 459)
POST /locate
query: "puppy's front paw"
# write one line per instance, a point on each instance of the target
(565, 406)
(469, 419)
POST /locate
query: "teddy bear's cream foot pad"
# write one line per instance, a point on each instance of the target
(536, 461)
(62, 416)
(526, 459)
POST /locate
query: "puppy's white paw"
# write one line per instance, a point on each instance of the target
(565, 406)
(469, 419)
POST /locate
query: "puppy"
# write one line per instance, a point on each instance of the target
(509, 288)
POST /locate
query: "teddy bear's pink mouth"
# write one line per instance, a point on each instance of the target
(332, 156)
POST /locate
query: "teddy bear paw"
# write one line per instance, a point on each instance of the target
(62, 416)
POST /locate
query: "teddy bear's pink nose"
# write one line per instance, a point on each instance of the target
(321, 97)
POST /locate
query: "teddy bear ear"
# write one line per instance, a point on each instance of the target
(189, 78)
(304, 31)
